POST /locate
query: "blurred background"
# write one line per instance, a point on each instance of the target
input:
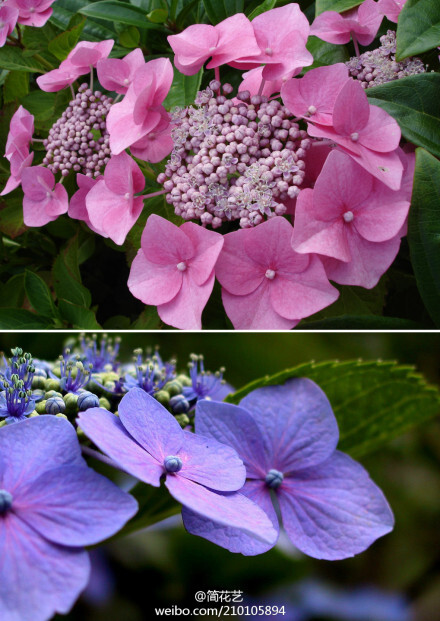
(397, 579)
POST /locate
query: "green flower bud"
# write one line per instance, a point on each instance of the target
(184, 380)
(40, 407)
(71, 403)
(52, 384)
(182, 419)
(173, 388)
(59, 415)
(104, 403)
(53, 393)
(33, 414)
(38, 382)
(163, 397)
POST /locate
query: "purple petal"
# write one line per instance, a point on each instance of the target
(39, 578)
(211, 463)
(36, 445)
(234, 509)
(296, 421)
(150, 424)
(234, 539)
(333, 511)
(74, 506)
(235, 427)
(108, 433)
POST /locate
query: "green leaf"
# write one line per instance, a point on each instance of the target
(325, 53)
(413, 102)
(67, 279)
(418, 28)
(21, 319)
(38, 294)
(218, 10)
(121, 13)
(16, 86)
(335, 5)
(12, 292)
(373, 402)
(93, 31)
(424, 231)
(155, 504)
(11, 217)
(185, 12)
(80, 317)
(13, 59)
(183, 89)
(267, 5)
(38, 39)
(40, 104)
(64, 43)
(147, 320)
(158, 16)
(129, 37)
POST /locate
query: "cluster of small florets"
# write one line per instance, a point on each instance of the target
(79, 140)
(233, 159)
(73, 384)
(380, 65)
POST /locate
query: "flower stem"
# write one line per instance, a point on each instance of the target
(260, 90)
(356, 45)
(145, 196)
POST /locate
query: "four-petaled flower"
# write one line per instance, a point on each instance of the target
(51, 506)
(44, 200)
(287, 437)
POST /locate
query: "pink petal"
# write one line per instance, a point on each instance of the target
(37, 181)
(113, 74)
(152, 283)
(57, 79)
(332, 27)
(254, 311)
(207, 246)
(352, 110)
(382, 133)
(234, 269)
(154, 146)
(192, 47)
(123, 175)
(164, 243)
(185, 310)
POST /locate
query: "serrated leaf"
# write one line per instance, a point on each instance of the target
(13, 59)
(38, 294)
(373, 402)
(424, 231)
(418, 28)
(413, 102)
(218, 10)
(67, 279)
(335, 5)
(121, 13)
(21, 319)
(183, 90)
(78, 316)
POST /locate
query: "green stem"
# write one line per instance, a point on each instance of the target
(44, 62)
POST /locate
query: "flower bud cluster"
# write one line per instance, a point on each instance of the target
(79, 139)
(380, 65)
(233, 159)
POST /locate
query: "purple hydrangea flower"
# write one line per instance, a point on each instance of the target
(200, 473)
(204, 384)
(287, 437)
(51, 506)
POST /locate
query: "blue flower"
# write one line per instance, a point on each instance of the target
(205, 384)
(16, 403)
(73, 382)
(152, 374)
(102, 357)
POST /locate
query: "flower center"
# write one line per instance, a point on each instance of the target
(270, 274)
(269, 51)
(172, 463)
(354, 136)
(5, 501)
(348, 216)
(274, 478)
(181, 266)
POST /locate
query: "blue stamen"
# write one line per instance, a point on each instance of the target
(274, 478)
(5, 501)
(172, 463)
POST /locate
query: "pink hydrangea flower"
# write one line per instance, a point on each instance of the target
(353, 218)
(8, 19)
(253, 79)
(266, 284)
(77, 206)
(367, 133)
(117, 74)
(314, 96)
(111, 203)
(17, 153)
(141, 112)
(391, 9)
(174, 270)
(81, 59)
(281, 35)
(44, 200)
(32, 12)
(155, 145)
(230, 39)
(361, 23)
